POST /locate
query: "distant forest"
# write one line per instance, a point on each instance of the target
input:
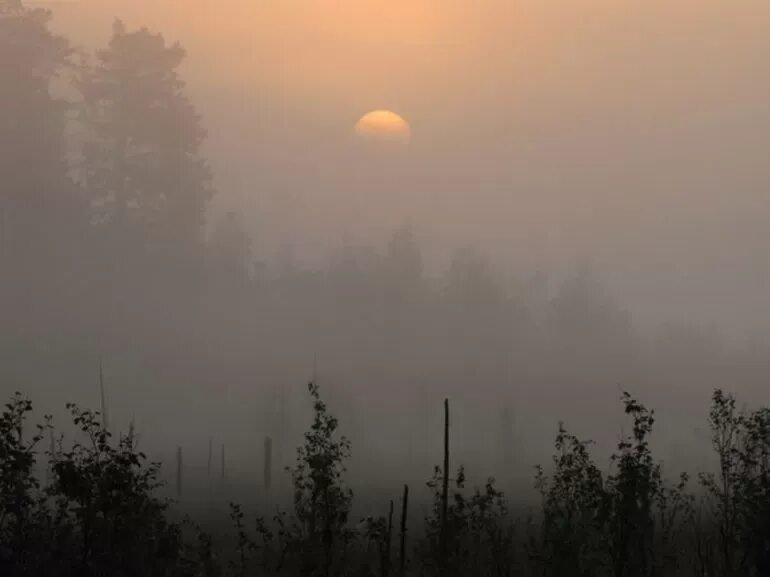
(108, 247)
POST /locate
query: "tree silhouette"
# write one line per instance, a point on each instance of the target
(321, 500)
(38, 205)
(143, 171)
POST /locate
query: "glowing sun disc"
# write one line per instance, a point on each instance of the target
(383, 125)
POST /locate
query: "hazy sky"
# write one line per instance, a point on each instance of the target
(631, 135)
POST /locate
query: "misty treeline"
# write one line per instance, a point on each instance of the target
(98, 512)
(109, 247)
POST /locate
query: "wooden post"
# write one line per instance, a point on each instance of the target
(282, 428)
(445, 490)
(404, 510)
(132, 433)
(506, 438)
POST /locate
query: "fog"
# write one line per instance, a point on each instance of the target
(582, 209)
(542, 130)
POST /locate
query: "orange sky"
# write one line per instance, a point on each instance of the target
(435, 58)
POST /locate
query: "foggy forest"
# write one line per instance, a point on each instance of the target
(249, 328)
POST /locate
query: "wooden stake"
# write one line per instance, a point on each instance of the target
(445, 490)
(404, 511)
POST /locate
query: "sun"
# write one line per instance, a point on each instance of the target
(383, 126)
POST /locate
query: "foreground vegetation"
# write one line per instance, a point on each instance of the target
(98, 512)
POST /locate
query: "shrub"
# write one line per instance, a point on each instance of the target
(322, 502)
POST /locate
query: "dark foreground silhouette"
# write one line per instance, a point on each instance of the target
(98, 512)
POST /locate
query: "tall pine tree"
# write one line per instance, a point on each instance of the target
(144, 174)
(38, 202)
